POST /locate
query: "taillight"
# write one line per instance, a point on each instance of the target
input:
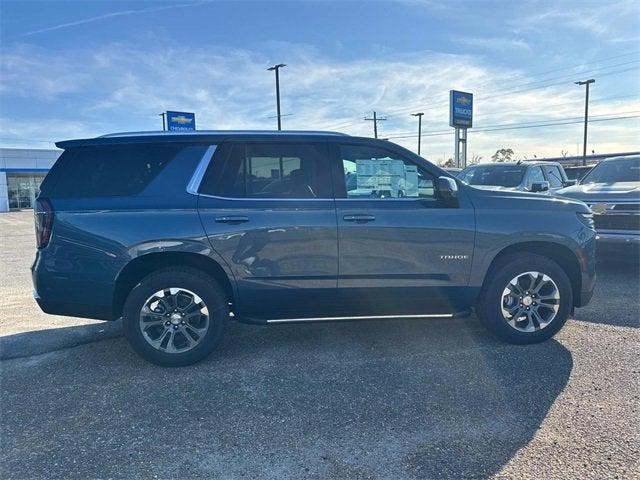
(43, 216)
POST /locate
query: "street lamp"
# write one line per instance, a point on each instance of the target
(276, 68)
(586, 116)
(419, 115)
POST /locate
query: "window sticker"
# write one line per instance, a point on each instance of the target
(385, 177)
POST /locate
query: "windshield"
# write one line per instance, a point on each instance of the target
(613, 171)
(494, 175)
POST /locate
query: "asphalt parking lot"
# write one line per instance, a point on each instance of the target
(380, 399)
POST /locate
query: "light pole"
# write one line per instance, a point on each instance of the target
(163, 120)
(419, 115)
(586, 117)
(276, 68)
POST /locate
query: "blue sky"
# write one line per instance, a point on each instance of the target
(73, 69)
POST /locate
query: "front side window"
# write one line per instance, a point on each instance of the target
(270, 171)
(553, 175)
(371, 172)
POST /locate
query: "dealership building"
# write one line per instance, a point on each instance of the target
(21, 173)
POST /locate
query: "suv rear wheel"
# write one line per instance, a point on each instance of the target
(527, 299)
(175, 316)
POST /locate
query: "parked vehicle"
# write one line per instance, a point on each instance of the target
(612, 190)
(453, 170)
(576, 173)
(178, 233)
(521, 176)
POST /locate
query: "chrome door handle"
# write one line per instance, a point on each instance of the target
(232, 219)
(359, 218)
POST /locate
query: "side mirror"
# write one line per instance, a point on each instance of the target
(569, 183)
(447, 188)
(539, 186)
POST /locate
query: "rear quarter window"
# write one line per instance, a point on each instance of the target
(110, 170)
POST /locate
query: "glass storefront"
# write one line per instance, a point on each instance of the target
(23, 188)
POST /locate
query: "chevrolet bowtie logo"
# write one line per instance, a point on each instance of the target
(181, 119)
(463, 100)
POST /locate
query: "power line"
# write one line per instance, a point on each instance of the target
(409, 134)
(518, 127)
(566, 78)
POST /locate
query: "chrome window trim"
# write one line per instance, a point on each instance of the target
(269, 199)
(194, 184)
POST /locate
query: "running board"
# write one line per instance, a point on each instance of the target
(368, 317)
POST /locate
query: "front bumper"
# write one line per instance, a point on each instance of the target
(618, 237)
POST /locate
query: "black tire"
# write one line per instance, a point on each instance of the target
(201, 284)
(489, 305)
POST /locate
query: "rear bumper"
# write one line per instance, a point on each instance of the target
(62, 294)
(66, 309)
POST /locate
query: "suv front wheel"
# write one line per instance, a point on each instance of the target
(526, 299)
(175, 316)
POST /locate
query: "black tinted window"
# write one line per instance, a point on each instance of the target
(113, 170)
(270, 171)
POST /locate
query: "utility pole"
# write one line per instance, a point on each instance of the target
(419, 115)
(586, 117)
(276, 69)
(163, 115)
(375, 121)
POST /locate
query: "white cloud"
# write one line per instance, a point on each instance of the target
(493, 43)
(81, 93)
(107, 16)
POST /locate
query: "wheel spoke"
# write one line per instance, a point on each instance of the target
(190, 335)
(152, 323)
(515, 288)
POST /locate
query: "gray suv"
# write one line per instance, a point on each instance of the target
(529, 176)
(179, 233)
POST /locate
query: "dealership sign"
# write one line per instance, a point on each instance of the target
(460, 109)
(181, 121)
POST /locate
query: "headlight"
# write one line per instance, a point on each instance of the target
(587, 220)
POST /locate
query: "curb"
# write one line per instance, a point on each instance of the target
(45, 341)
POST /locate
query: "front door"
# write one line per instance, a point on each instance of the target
(402, 250)
(268, 210)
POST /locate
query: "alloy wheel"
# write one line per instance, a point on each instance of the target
(174, 320)
(530, 301)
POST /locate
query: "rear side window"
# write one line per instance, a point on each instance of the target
(259, 170)
(111, 170)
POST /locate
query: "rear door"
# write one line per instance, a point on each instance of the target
(402, 250)
(268, 210)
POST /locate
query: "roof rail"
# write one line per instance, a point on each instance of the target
(220, 132)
